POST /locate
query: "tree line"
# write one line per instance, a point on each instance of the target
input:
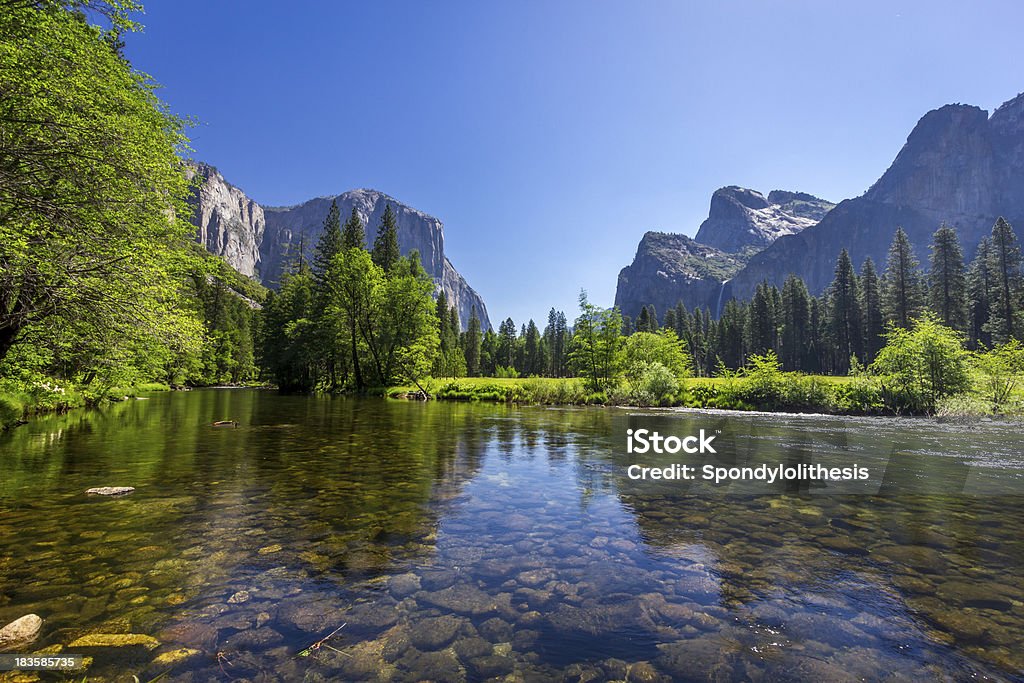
(982, 300)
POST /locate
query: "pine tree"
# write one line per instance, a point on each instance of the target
(1005, 266)
(643, 321)
(670, 320)
(329, 243)
(352, 234)
(902, 284)
(845, 320)
(473, 344)
(761, 321)
(947, 282)
(385, 246)
(796, 320)
(871, 307)
(627, 326)
(532, 351)
(731, 334)
(506, 344)
(979, 295)
(652, 315)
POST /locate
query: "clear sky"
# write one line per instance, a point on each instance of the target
(548, 136)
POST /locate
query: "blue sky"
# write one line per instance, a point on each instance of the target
(549, 136)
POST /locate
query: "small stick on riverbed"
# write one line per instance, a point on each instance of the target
(315, 647)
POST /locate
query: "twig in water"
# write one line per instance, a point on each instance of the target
(315, 647)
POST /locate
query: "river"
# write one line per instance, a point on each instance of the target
(369, 539)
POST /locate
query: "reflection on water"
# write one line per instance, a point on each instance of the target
(468, 542)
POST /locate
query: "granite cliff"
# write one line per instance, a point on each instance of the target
(669, 267)
(959, 166)
(740, 218)
(259, 241)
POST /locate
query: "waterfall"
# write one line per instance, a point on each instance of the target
(718, 306)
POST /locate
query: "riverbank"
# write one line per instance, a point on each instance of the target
(18, 402)
(785, 392)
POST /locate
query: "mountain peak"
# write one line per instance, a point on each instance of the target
(741, 218)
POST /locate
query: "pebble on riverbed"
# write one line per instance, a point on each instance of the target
(20, 632)
(110, 490)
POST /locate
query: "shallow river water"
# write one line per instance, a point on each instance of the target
(342, 539)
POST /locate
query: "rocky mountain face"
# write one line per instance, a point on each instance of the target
(669, 267)
(260, 241)
(740, 218)
(230, 225)
(959, 166)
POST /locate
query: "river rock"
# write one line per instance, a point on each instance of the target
(239, 597)
(441, 666)
(491, 666)
(461, 599)
(695, 659)
(473, 648)
(191, 634)
(103, 640)
(20, 632)
(110, 490)
(165, 660)
(404, 585)
(496, 630)
(433, 633)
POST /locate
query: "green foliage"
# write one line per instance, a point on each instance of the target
(91, 261)
(654, 362)
(919, 366)
(903, 291)
(506, 372)
(947, 282)
(385, 246)
(596, 344)
(999, 372)
(764, 382)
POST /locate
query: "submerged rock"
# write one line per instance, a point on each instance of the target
(20, 632)
(115, 640)
(461, 599)
(434, 633)
(110, 490)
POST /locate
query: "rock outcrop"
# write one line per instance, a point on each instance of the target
(740, 218)
(959, 166)
(259, 241)
(669, 268)
(228, 223)
(288, 227)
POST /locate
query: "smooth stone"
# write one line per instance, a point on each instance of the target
(643, 672)
(472, 648)
(175, 657)
(404, 585)
(461, 599)
(496, 630)
(110, 490)
(20, 632)
(239, 597)
(490, 666)
(254, 639)
(115, 640)
(433, 633)
(696, 659)
(191, 634)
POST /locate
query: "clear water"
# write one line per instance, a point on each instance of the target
(454, 542)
